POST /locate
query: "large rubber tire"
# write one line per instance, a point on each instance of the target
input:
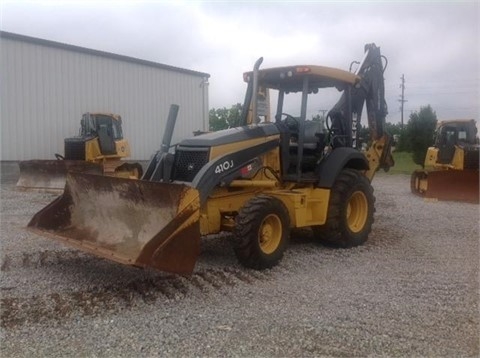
(261, 234)
(350, 211)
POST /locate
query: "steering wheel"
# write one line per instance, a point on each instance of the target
(291, 122)
(328, 119)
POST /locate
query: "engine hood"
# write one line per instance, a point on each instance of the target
(231, 135)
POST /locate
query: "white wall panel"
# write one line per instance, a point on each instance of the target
(46, 87)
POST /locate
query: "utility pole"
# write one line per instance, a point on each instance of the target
(402, 99)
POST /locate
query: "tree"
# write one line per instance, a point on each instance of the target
(403, 143)
(395, 130)
(217, 119)
(223, 118)
(420, 131)
(390, 128)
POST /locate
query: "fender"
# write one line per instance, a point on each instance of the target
(224, 168)
(344, 157)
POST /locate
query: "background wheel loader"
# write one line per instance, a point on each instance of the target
(451, 165)
(99, 148)
(257, 181)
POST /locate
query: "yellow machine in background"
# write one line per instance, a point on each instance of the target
(451, 168)
(99, 148)
(257, 181)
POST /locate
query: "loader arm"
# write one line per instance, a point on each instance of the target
(229, 166)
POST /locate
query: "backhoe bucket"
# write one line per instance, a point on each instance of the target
(451, 185)
(50, 175)
(133, 222)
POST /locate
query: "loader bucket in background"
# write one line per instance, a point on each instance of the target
(134, 222)
(50, 175)
(449, 185)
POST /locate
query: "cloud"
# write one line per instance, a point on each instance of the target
(435, 44)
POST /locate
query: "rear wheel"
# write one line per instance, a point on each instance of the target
(350, 211)
(261, 233)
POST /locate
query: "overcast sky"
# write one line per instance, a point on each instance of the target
(435, 45)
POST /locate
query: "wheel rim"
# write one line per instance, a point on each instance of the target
(357, 211)
(270, 234)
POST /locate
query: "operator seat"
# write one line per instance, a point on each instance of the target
(313, 146)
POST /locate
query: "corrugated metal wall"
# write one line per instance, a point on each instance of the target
(45, 89)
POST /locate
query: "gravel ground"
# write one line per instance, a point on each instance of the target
(411, 290)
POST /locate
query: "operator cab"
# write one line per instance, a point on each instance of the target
(108, 128)
(303, 142)
(454, 133)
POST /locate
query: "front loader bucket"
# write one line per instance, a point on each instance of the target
(133, 222)
(50, 175)
(451, 185)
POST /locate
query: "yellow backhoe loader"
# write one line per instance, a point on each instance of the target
(451, 166)
(258, 180)
(99, 148)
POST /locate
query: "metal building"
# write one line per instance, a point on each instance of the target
(46, 86)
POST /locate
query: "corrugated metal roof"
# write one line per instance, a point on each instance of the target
(49, 43)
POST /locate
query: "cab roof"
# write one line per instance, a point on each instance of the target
(106, 114)
(290, 78)
(454, 122)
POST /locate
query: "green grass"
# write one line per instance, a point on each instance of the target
(403, 163)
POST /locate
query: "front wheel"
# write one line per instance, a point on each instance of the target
(261, 234)
(350, 211)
